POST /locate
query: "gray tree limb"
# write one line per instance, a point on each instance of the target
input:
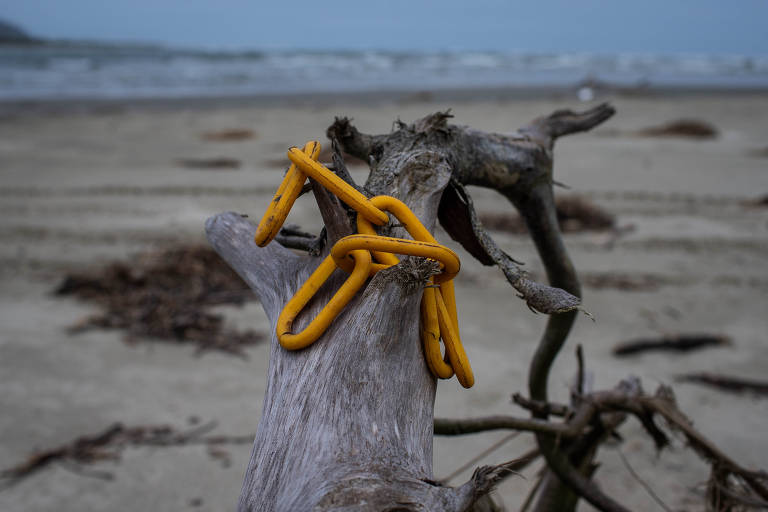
(266, 270)
(347, 422)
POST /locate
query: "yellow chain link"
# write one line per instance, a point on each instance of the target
(286, 195)
(356, 254)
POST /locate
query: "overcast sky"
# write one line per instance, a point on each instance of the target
(608, 26)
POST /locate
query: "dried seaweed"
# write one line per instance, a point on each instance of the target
(759, 152)
(110, 442)
(326, 156)
(575, 214)
(685, 128)
(229, 135)
(671, 343)
(727, 383)
(164, 296)
(758, 202)
(218, 163)
(629, 282)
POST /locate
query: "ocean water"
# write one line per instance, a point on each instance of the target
(81, 71)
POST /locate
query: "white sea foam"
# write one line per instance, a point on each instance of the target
(109, 71)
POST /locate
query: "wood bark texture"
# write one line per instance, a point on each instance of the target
(347, 423)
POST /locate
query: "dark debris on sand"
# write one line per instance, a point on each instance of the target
(734, 384)
(671, 343)
(164, 295)
(218, 163)
(758, 202)
(685, 128)
(110, 442)
(575, 214)
(628, 282)
(759, 153)
(230, 135)
(325, 157)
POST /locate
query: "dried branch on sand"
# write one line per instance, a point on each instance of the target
(595, 416)
(345, 452)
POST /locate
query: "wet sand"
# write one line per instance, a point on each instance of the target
(81, 187)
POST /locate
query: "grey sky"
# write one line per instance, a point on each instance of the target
(654, 26)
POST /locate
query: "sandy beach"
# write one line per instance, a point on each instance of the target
(84, 185)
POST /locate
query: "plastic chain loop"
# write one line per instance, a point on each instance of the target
(286, 195)
(362, 256)
(316, 328)
(430, 310)
(448, 259)
(338, 186)
(430, 336)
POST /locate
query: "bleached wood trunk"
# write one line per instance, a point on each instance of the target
(347, 422)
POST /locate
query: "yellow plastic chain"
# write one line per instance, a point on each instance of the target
(356, 254)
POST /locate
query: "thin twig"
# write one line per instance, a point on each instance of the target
(457, 427)
(741, 499)
(580, 372)
(474, 460)
(305, 189)
(539, 407)
(79, 470)
(642, 482)
(310, 244)
(340, 167)
(532, 492)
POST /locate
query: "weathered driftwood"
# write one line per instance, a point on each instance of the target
(347, 422)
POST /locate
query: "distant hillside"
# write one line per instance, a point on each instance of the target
(12, 34)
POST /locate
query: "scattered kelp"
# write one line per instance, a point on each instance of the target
(671, 343)
(220, 163)
(758, 152)
(165, 295)
(230, 135)
(684, 128)
(727, 383)
(575, 214)
(758, 202)
(326, 156)
(628, 282)
(110, 442)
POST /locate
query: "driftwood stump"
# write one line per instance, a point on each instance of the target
(347, 423)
